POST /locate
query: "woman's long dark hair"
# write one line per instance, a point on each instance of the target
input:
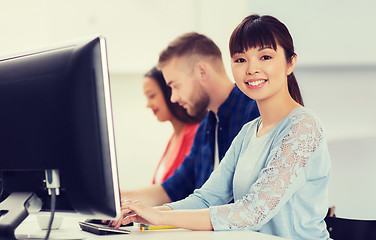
(266, 31)
(176, 110)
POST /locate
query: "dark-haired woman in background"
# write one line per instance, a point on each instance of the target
(277, 168)
(158, 100)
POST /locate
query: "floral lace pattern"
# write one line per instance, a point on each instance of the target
(288, 161)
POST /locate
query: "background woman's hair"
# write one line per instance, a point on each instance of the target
(176, 110)
(266, 31)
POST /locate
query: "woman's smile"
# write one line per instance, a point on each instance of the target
(255, 83)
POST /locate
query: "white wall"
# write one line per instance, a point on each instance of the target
(333, 32)
(326, 34)
(336, 32)
(136, 31)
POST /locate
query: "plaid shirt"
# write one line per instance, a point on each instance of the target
(196, 168)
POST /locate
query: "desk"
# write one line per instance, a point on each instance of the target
(71, 230)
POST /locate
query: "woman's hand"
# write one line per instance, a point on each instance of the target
(134, 211)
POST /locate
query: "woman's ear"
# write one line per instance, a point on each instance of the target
(291, 64)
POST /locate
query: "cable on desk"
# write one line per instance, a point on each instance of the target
(53, 204)
(1, 183)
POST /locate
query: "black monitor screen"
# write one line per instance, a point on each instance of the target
(55, 113)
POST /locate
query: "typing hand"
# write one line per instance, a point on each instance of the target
(117, 223)
(134, 211)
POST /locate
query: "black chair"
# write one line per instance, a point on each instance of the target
(347, 229)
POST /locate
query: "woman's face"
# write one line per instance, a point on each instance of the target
(261, 73)
(155, 100)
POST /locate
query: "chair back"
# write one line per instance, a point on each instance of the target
(342, 228)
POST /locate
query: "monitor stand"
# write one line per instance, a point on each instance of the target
(14, 209)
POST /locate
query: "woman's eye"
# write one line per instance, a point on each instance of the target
(240, 60)
(266, 57)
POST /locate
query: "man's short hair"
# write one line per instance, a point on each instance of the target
(189, 44)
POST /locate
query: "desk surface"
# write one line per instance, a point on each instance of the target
(71, 230)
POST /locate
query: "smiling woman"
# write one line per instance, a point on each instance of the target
(264, 43)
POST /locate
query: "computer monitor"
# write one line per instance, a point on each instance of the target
(55, 109)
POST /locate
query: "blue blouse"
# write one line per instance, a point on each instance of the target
(279, 181)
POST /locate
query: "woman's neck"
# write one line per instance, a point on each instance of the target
(273, 111)
(178, 126)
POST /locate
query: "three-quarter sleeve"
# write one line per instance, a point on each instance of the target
(283, 175)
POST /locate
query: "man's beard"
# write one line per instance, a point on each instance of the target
(200, 104)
